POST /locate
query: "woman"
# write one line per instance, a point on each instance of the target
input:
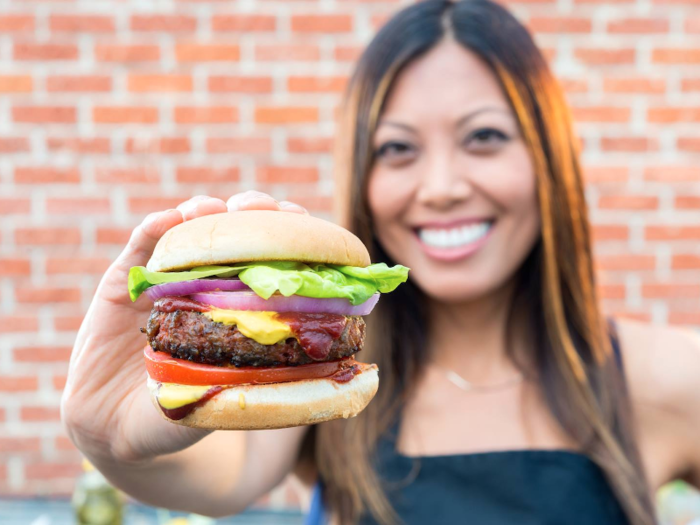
(503, 398)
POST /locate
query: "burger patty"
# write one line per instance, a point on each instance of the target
(190, 335)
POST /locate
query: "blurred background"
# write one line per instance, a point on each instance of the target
(112, 109)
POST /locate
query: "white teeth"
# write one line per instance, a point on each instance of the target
(454, 237)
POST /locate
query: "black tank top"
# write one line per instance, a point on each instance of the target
(519, 487)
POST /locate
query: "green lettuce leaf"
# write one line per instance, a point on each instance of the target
(288, 278)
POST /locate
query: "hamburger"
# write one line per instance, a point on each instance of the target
(256, 320)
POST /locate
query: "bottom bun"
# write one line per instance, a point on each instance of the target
(280, 405)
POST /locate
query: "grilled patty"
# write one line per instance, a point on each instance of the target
(190, 335)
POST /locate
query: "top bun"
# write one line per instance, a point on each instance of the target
(256, 235)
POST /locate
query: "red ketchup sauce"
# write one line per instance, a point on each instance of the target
(182, 412)
(345, 375)
(315, 332)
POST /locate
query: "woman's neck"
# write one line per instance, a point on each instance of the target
(471, 338)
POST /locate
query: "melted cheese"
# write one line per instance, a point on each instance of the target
(259, 326)
(172, 395)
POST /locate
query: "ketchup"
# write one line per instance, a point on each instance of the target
(182, 412)
(315, 332)
(346, 374)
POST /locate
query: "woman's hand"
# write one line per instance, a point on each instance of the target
(106, 406)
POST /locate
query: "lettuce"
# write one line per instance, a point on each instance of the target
(288, 278)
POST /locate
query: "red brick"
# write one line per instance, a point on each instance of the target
(206, 114)
(59, 382)
(313, 203)
(347, 53)
(629, 144)
(14, 267)
(239, 84)
(140, 175)
(52, 471)
(602, 114)
(672, 174)
(559, 24)
(68, 323)
(690, 84)
(244, 23)
(82, 23)
(192, 52)
(63, 444)
(77, 265)
(691, 144)
(281, 174)
(15, 206)
(44, 114)
(317, 84)
(46, 294)
(14, 144)
(574, 85)
(247, 145)
(688, 202)
(161, 145)
(214, 175)
(16, 84)
(639, 25)
(288, 52)
(676, 56)
(47, 236)
(611, 291)
(42, 354)
(45, 52)
(605, 56)
(310, 144)
(78, 206)
(14, 445)
(628, 202)
(670, 291)
(164, 23)
(16, 23)
(672, 233)
(92, 83)
(79, 144)
(684, 318)
(18, 324)
(127, 53)
(634, 85)
(321, 23)
(627, 262)
(692, 25)
(610, 232)
(15, 383)
(125, 114)
(151, 204)
(686, 261)
(47, 175)
(119, 236)
(159, 83)
(285, 115)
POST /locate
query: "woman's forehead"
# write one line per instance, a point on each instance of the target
(449, 80)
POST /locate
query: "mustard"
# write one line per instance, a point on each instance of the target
(259, 326)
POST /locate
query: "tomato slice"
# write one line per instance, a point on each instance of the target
(167, 369)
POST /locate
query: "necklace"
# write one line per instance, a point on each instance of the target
(467, 386)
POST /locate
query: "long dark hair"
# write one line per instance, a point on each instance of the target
(581, 381)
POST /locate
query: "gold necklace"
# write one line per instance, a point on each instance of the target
(467, 386)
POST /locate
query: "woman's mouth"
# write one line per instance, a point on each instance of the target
(454, 242)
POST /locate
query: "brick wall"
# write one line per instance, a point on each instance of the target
(112, 109)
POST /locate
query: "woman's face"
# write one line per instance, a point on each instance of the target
(452, 190)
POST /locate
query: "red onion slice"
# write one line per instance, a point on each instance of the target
(279, 303)
(194, 286)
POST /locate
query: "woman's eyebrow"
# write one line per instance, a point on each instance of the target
(460, 122)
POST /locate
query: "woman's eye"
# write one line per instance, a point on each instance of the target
(486, 139)
(393, 149)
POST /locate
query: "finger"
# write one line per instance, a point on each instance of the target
(252, 200)
(201, 205)
(293, 207)
(145, 236)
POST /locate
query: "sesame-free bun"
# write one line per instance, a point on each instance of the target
(280, 405)
(256, 235)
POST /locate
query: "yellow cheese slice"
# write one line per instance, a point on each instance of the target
(259, 326)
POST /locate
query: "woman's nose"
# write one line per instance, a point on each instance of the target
(443, 185)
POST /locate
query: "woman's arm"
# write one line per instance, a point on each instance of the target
(662, 365)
